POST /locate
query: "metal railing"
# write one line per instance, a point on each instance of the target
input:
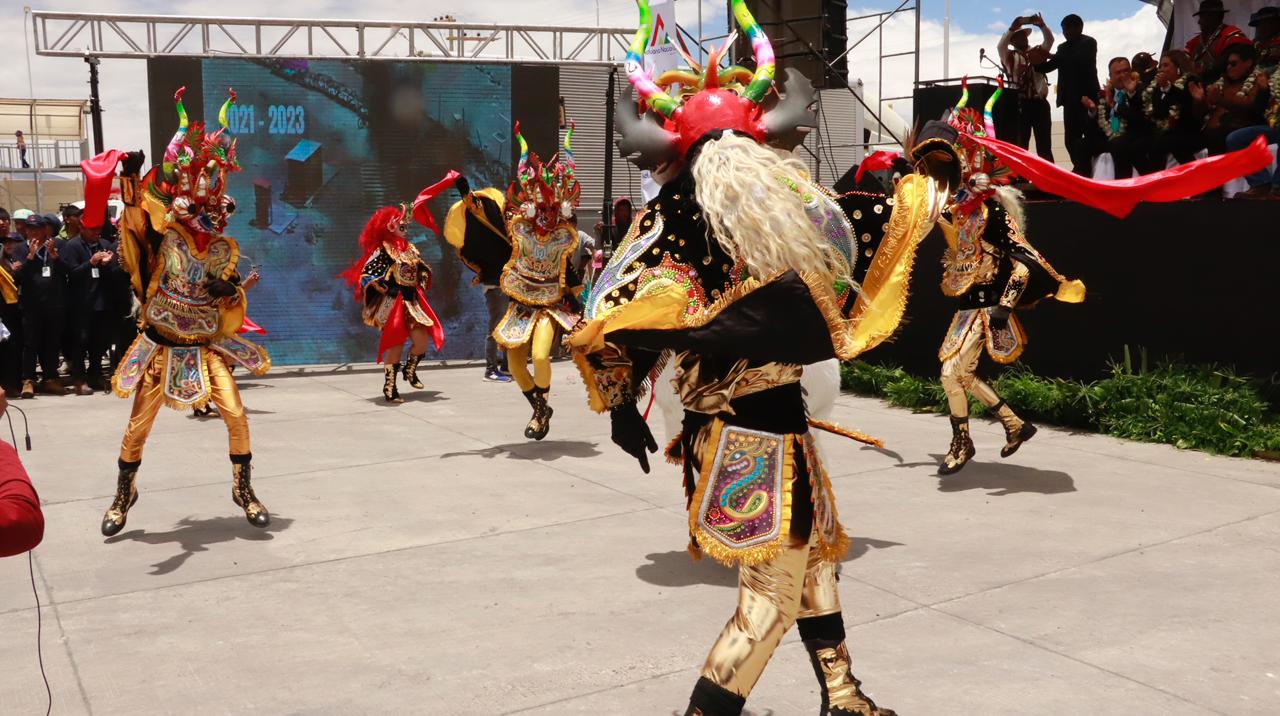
(55, 154)
(76, 34)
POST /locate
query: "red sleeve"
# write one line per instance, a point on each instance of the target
(21, 521)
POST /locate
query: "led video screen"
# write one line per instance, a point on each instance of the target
(323, 144)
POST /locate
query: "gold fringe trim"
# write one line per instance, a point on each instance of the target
(835, 429)
(671, 454)
(564, 263)
(829, 551)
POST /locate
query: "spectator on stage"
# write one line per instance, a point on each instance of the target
(1118, 111)
(1146, 66)
(21, 521)
(1266, 39)
(1208, 50)
(1237, 100)
(43, 300)
(98, 295)
(1168, 105)
(1076, 63)
(1020, 60)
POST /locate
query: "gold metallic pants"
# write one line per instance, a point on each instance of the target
(959, 374)
(771, 596)
(541, 341)
(149, 398)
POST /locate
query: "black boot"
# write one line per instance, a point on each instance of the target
(711, 699)
(962, 450)
(411, 371)
(823, 638)
(540, 424)
(841, 692)
(126, 496)
(242, 491)
(391, 391)
(1016, 430)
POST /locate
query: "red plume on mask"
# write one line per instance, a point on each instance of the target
(99, 173)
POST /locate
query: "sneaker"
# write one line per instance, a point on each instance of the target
(52, 386)
(494, 376)
(81, 388)
(28, 389)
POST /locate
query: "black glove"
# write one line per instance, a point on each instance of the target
(999, 319)
(220, 288)
(631, 433)
(131, 163)
(463, 186)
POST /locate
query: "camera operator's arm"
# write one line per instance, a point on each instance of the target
(21, 521)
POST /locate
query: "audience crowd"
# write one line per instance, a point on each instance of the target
(66, 307)
(1218, 94)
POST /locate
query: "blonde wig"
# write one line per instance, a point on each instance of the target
(752, 199)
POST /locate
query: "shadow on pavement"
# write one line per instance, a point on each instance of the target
(678, 569)
(547, 450)
(410, 396)
(1001, 479)
(193, 535)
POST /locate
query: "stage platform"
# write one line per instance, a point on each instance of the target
(427, 559)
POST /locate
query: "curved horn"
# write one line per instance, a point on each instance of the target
(988, 117)
(222, 113)
(964, 94)
(568, 148)
(522, 168)
(766, 64)
(643, 141)
(649, 91)
(794, 116)
(175, 145)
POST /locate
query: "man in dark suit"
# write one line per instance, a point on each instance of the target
(97, 295)
(43, 299)
(1076, 62)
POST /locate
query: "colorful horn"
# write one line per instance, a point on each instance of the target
(766, 63)
(522, 169)
(988, 117)
(175, 145)
(649, 92)
(964, 94)
(222, 113)
(568, 148)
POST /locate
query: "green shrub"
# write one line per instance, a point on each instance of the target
(1196, 407)
(1193, 407)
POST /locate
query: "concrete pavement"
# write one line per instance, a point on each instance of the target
(427, 559)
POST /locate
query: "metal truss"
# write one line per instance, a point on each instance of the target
(76, 34)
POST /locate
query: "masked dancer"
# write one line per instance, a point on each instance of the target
(741, 271)
(182, 268)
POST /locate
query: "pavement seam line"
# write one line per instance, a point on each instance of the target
(347, 558)
(64, 637)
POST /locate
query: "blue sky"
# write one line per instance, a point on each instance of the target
(978, 16)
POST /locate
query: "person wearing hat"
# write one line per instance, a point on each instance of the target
(19, 223)
(98, 289)
(71, 215)
(1019, 60)
(1208, 50)
(43, 299)
(1266, 38)
(10, 313)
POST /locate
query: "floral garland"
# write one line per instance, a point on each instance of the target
(1149, 107)
(1245, 89)
(1105, 113)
